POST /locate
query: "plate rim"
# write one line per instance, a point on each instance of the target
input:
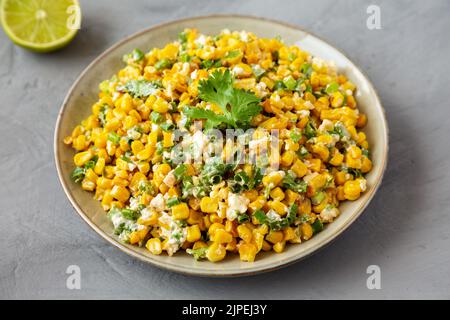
(197, 271)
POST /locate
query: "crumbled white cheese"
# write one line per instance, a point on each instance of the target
(134, 203)
(117, 219)
(326, 125)
(158, 202)
(133, 134)
(146, 213)
(244, 36)
(170, 179)
(185, 69)
(221, 212)
(172, 231)
(131, 166)
(261, 86)
(236, 204)
(155, 127)
(363, 184)
(334, 139)
(272, 215)
(303, 113)
(329, 214)
(308, 105)
(310, 176)
(238, 71)
(277, 98)
(318, 62)
(260, 90)
(200, 40)
(194, 74)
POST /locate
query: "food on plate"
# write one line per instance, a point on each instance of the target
(221, 145)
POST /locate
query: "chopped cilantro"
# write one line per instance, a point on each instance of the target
(140, 88)
(199, 253)
(163, 64)
(294, 184)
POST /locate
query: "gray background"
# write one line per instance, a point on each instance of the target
(405, 230)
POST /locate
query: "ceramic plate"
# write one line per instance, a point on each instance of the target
(83, 94)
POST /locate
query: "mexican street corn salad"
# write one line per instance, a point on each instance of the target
(149, 151)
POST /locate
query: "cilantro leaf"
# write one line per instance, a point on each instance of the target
(291, 182)
(218, 89)
(244, 105)
(238, 106)
(140, 88)
(280, 223)
(213, 119)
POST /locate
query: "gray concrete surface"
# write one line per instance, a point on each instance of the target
(405, 230)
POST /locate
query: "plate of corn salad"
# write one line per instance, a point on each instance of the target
(221, 146)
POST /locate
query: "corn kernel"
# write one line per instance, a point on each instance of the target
(180, 211)
(279, 246)
(216, 252)
(277, 194)
(88, 185)
(193, 233)
(273, 178)
(120, 193)
(161, 105)
(222, 236)
(299, 168)
(274, 236)
(214, 227)
(81, 158)
(209, 205)
(154, 246)
(307, 231)
(244, 233)
(279, 207)
(137, 146)
(247, 252)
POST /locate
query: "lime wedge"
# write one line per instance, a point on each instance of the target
(40, 25)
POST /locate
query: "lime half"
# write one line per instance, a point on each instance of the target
(40, 25)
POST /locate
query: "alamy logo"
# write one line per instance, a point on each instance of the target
(374, 20)
(74, 20)
(73, 281)
(374, 280)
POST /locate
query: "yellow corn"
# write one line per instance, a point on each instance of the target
(180, 211)
(274, 236)
(209, 205)
(120, 193)
(154, 246)
(273, 178)
(222, 236)
(279, 246)
(216, 252)
(244, 233)
(299, 168)
(193, 233)
(247, 252)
